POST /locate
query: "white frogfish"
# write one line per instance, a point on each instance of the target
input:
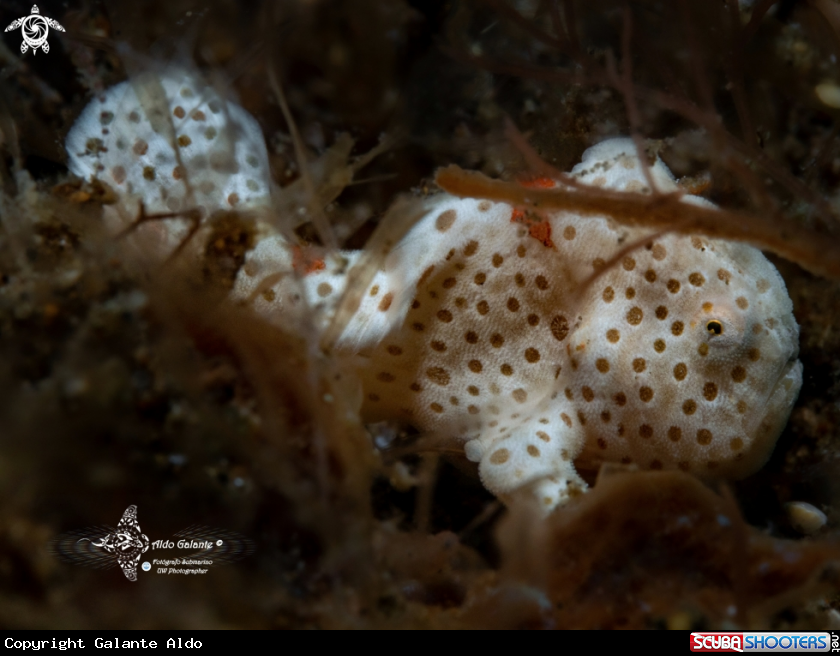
(484, 325)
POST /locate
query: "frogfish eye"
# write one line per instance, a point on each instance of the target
(714, 327)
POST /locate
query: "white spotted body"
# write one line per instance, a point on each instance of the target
(682, 356)
(171, 141)
(481, 345)
(482, 330)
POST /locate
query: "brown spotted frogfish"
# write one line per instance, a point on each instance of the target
(485, 330)
(681, 355)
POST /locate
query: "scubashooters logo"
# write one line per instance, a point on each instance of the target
(103, 547)
(798, 642)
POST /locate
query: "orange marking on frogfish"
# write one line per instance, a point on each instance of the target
(542, 233)
(540, 182)
(304, 263)
(538, 227)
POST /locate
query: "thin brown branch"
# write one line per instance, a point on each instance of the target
(701, 80)
(758, 12)
(626, 82)
(830, 12)
(571, 23)
(557, 20)
(815, 252)
(755, 187)
(785, 178)
(683, 106)
(319, 220)
(485, 515)
(192, 215)
(820, 159)
(536, 163)
(593, 78)
(736, 73)
(527, 26)
(584, 286)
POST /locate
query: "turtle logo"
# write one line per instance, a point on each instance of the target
(127, 543)
(34, 29)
